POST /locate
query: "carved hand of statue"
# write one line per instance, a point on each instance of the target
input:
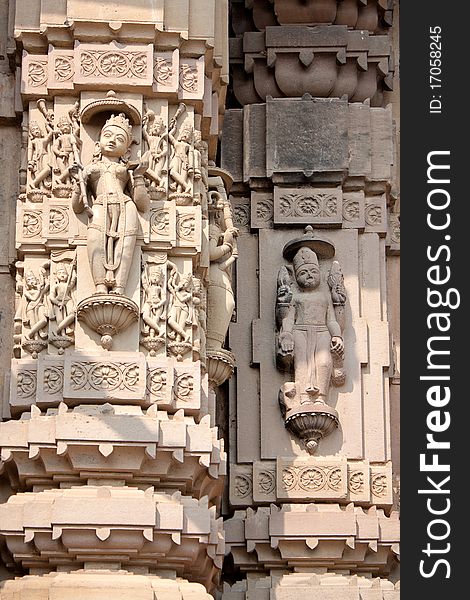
(337, 346)
(284, 294)
(143, 165)
(229, 235)
(286, 342)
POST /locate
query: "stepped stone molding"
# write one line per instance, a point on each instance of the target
(124, 525)
(312, 586)
(324, 61)
(102, 583)
(314, 535)
(113, 443)
(372, 15)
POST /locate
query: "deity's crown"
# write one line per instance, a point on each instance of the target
(304, 256)
(120, 121)
(63, 121)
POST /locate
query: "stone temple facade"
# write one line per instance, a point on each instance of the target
(199, 253)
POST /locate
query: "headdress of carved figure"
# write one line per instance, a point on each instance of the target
(30, 277)
(34, 127)
(122, 122)
(304, 257)
(63, 121)
(186, 131)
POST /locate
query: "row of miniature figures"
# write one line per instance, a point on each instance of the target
(176, 156)
(173, 307)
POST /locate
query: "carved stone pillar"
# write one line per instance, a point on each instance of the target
(125, 243)
(310, 141)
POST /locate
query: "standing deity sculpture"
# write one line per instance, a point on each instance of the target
(63, 304)
(200, 319)
(153, 326)
(112, 192)
(155, 134)
(223, 252)
(310, 341)
(66, 150)
(200, 162)
(116, 194)
(180, 311)
(181, 145)
(34, 309)
(40, 155)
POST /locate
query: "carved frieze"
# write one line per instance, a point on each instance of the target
(353, 210)
(114, 64)
(262, 210)
(120, 377)
(165, 72)
(375, 214)
(302, 479)
(319, 206)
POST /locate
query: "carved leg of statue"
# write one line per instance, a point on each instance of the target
(37, 328)
(154, 328)
(220, 306)
(126, 253)
(176, 317)
(65, 323)
(153, 175)
(40, 177)
(304, 364)
(179, 179)
(323, 364)
(184, 321)
(95, 251)
(112, 240)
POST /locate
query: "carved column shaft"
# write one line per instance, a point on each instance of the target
(123, 229)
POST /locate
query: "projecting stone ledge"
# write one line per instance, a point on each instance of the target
(121, 525)
(113, 443)
(102, 584)
(312, 586)
(313, 536)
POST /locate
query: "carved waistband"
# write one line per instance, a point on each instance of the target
(316, 328)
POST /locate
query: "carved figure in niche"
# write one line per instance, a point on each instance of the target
(309, 330)
(223, 252)
(179, 315)
(116, 193)
(180, 149)
(66, 149)
(310, 340)
(153, 306)
(154, 133)
(33, 309)
(40, 153)
(63, 304)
